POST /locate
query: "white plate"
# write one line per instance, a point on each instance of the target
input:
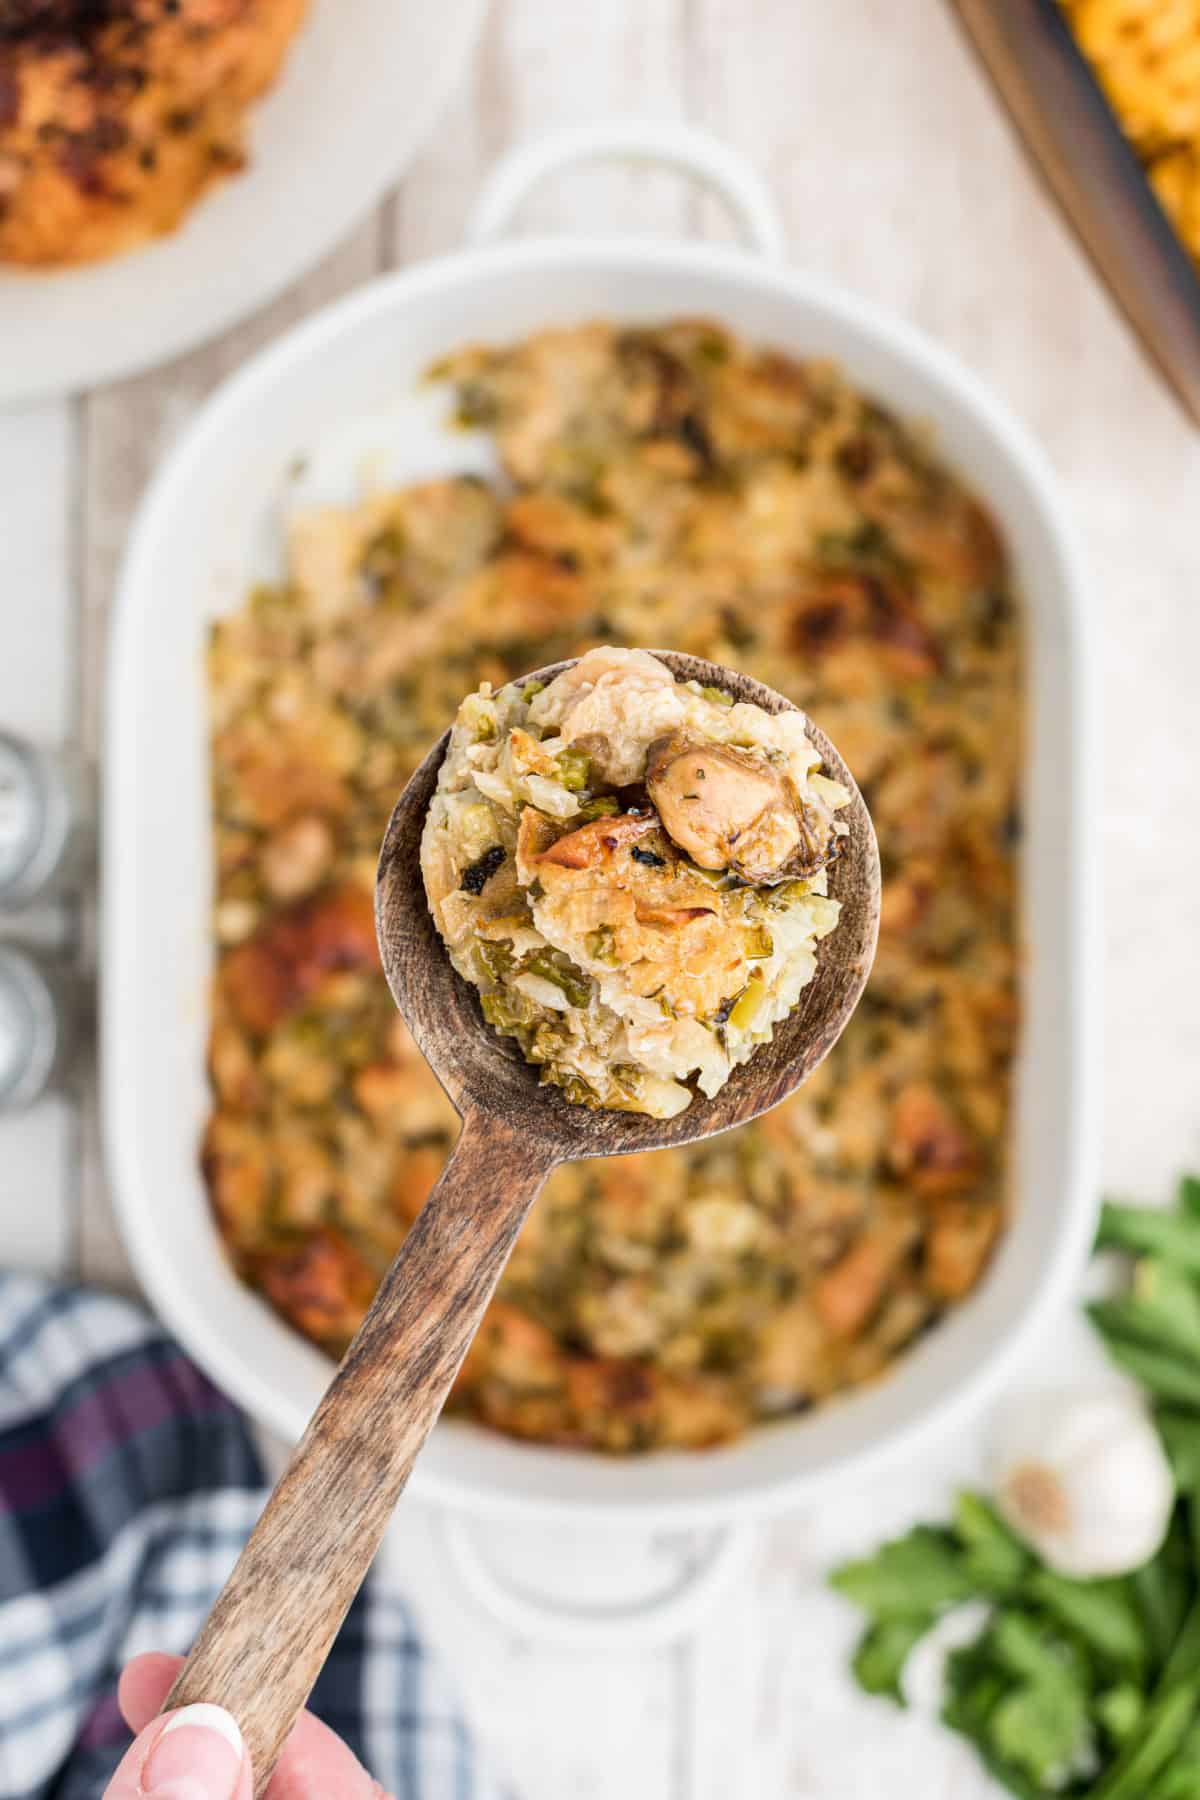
(361, 86)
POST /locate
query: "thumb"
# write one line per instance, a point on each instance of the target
(315, 1764)
(193, 1754)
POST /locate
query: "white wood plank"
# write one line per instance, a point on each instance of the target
(593, 1725)
(37, 665)
(539, 69)
(37, 652)
(38, 1178)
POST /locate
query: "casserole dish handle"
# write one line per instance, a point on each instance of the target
(704, 1565)
(694, 153)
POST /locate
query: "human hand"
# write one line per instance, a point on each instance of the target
(197, 1753)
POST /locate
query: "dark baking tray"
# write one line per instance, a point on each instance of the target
(1069, 129)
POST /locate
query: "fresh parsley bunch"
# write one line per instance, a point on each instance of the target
(1072, 1687)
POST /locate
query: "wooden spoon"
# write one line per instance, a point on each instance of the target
(266, 1638)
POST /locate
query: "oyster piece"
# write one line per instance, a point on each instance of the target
(733, 809)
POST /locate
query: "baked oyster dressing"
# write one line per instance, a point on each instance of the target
(669, 485)
(632, 871)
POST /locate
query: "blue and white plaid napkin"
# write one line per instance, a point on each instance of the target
(127, 1486)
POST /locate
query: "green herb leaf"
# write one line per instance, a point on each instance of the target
(1183, 1664)
(574, 983)
(574, 769)
(1081, 1688)
(1020, 1694)
(1103, 1614)
(1180, 1780)
(1165, 1373)
(1163, 1590)
(1163, 1307)
(1151, 1747)
(1146, 1231)
(1041, 1726)
(1180, 1433)
(882, 1652)
(600, 806)
(995, 1556)
(1118, 1711)
(915, 1576)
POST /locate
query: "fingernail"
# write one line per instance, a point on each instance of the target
(198, 1756)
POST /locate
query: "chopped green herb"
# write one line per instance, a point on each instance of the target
(883, 1651)
(713, 350)
(573, 982)
(381, 558)
(496, 958)
(1103, 1614)
(1151, 1746)
(507, 1012)
(575, 767)
(477, 406)
(1148, 1232)
(1160, 1369)
(1180, 1433)
(922, 1573)
(996, 1558)
(599, 944)
(1041, 1725)
(717, 695)
(1119, 1711)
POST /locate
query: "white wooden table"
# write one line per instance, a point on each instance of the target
(897, 177)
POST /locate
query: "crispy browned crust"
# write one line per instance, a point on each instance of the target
(116, 115)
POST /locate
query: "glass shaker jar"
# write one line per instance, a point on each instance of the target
(43, 1019)
(47, 821)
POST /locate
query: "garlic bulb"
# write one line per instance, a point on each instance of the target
(1083, 1477)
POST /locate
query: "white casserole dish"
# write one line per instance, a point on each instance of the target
(342, 386)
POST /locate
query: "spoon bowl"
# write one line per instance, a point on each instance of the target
(269, 1633)
(485, 1072)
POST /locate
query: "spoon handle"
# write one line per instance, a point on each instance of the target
(269, 1632)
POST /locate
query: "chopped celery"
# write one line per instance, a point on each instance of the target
(600, 944)
(600, 806)
(749, 1003)
(573, 982)
(574, 768)
(497, 958)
